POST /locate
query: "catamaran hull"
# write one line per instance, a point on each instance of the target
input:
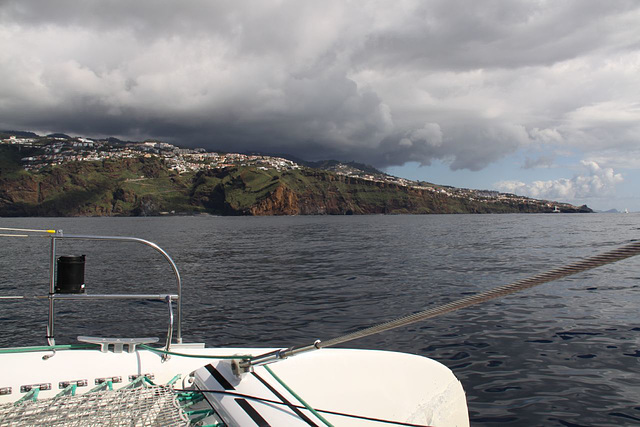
(345, 387)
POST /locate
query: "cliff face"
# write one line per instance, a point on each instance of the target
(374, 200)
(313, 192)
(281, 201)
(145, 186)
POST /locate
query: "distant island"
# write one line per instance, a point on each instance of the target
(59, 175)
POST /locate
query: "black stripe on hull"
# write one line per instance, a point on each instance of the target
(285, 401)
(250, 410)
(219, 377)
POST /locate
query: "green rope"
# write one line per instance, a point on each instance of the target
(186, 398)
(138, 381)
(293, 393)
(71, 388)
(47, 348)
(103, 385)
(32, 394)
(191, 403)
(92, 346)
(173, 380)
(200, 411)
(186, 395)
(195, 395)
(171, 353)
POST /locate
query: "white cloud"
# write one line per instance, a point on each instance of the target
(593, 183)
(629, 159)
(545, 135)
(539, 162)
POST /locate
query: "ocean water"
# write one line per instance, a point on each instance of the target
(565, 353)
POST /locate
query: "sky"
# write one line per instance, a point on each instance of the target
(537, 98)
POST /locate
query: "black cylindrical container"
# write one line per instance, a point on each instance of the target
(70, 278)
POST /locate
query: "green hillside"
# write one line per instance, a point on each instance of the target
(146, 186)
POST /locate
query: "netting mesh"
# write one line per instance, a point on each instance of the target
(150, 406)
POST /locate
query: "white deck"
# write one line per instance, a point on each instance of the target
(375, 384)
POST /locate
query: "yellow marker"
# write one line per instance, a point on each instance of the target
(28, 230)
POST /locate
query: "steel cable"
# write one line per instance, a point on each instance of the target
(498, 292)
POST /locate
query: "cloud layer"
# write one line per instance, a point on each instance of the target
(464, 82)
(593, 182)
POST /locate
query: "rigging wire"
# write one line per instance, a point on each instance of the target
(609, 257)
(324, 411)
(498, 292)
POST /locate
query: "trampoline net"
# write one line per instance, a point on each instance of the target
(142, 406)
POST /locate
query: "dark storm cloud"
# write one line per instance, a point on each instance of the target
(463, 35)
(464, 82)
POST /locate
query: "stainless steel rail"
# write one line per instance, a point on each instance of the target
(53, 296)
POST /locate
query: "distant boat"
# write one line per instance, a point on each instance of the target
(625, 210)
(555, 210)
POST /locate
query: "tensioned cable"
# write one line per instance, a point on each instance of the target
(277, 402)
(501, 291)
(609, 257)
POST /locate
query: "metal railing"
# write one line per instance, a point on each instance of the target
(56, 235)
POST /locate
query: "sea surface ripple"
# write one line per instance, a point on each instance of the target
(565, 353)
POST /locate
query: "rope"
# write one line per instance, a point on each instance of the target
(501, 291)
(47, 348)
(301, 400)
(92, 346)
(324, 411)
(196, 356)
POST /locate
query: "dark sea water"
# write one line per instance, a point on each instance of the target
(565, 353)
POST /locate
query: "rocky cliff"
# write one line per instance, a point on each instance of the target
(145, 186)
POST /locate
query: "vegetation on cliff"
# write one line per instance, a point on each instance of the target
(146, 186)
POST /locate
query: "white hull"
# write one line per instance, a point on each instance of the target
(363, 383)
(122, 381)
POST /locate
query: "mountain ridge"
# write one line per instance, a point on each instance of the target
(46, 176)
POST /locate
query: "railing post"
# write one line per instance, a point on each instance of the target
(52, 282)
